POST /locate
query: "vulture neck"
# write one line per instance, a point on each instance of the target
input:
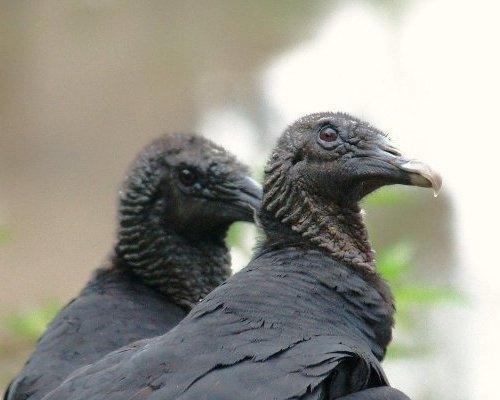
(338, 230)
(341, 235)
(183, 268)
(297, 222)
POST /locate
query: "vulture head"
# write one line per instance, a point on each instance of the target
(178, 200)
(322, 166)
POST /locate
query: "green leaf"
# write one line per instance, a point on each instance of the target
(398, 351)
(235, 234)
(29, 325)
(387, 196)
(426, 295)
(404, 318)
(394, 262)
(4, 236)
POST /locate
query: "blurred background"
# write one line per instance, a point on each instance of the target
(85, 84)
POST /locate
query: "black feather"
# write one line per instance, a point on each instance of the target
(287, 326)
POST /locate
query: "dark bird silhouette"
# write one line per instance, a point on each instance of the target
(309, 317)
(175, 207)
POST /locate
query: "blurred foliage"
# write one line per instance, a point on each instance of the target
(4, 236)
(29, 325)
(395, 264)
(235, 236)
(388, 196)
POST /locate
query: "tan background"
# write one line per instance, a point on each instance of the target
(85, 84)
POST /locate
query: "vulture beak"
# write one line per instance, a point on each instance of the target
(243, 200)
(407, 171)
(421, 174)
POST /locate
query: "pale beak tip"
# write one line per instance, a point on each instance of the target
(424, 175)
(436, 187)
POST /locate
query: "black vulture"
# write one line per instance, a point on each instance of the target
(309, 317)
(176, 204)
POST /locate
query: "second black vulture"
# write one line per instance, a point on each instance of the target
(175, 207)
(309, 317)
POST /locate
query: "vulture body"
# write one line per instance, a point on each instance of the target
(309, 317)
(258, 336)
(111, 311)
(162, 263)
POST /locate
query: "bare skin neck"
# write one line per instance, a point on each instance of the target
(183, 268)
(338, 229)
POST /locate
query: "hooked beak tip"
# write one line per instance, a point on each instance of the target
(423, 175)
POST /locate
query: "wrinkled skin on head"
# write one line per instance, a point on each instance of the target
(181, 195)
(343, 158)
(195, 184)
(322, 166)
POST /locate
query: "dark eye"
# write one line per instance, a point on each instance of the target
(327, 135)
(188, 177)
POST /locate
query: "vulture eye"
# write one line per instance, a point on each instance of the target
(188, 177)
(327, 136)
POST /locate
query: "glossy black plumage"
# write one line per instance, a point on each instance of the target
(256, 336)
(162, 262)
